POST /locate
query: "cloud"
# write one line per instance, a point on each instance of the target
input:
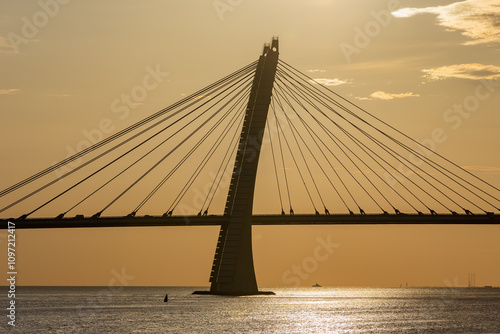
(472, 71)
(380, 95)
(477, 19)
(329, 82)
(316, 70)
(5, 46)
(4, 43)
(11, 91)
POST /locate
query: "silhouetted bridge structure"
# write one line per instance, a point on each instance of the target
(215, 220)
(339, 155)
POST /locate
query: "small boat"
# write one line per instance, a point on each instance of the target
(316, 285)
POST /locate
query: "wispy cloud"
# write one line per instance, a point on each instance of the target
(380, 95)
(316, 71)
(477, 19)
(11, 91)
(5, 47)
(329, 82)
(472, 71)
(4, 43)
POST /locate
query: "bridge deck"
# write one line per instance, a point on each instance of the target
(212, 220)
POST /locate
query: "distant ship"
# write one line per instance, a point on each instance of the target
(316, 285)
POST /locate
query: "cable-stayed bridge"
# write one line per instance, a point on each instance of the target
(328, 162)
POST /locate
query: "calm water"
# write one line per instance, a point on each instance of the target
(292, 310)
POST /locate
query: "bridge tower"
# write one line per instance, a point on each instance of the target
(233, 271)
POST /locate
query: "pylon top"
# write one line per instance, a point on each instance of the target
(274, 46)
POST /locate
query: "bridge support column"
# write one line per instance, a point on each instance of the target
(233, 271)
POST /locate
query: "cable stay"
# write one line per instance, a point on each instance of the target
(226, 166)
(359, 169)
(306, 82)
(371, 162)
(365, 148)
(352, 176)
(275, 168)
(310, 132)
(336, 142)
(293, 158)
(246, 77)
(280, 93)
(437, 167)
(176, 147)
(222, 168)
(273, 107)
(354, 140)
(309, 90)
(418, 174)
(403, 134)
(116, 176)
(135, 147)
(212, 150)
(207, 156)
(302, 154)
(193, 177)
(334, 170)
(467, 211)
(243, 71)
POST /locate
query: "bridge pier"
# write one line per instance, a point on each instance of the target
(233, 270)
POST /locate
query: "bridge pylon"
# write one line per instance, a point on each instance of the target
(233, 270)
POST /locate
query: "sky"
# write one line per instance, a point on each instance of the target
(419, 65)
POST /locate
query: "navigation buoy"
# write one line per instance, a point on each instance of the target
(166, 298)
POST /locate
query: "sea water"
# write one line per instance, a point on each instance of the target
(290, 310)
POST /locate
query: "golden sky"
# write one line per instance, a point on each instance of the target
(65, 66)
